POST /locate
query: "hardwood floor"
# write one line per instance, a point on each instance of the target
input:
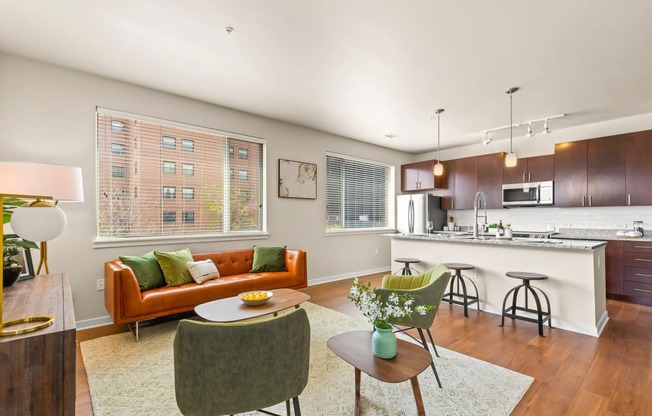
(574, 374)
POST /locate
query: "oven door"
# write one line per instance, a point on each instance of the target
(521, 194)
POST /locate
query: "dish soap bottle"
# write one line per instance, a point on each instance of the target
(500, 231)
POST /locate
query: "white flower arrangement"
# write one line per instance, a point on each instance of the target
(382, 314)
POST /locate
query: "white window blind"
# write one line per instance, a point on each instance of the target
(358, 193)
(142, 202)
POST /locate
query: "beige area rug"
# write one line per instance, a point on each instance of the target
(129, 378)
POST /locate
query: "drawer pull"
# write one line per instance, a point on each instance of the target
(643, 274)
(643, 260)
(642, 290)
(642, 246)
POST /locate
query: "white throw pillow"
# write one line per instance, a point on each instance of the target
(202, 271)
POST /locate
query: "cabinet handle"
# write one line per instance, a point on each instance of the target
(643, 260)
(642, 290)
(590, 200)
(629, 199)
(583, 198)
(529, 177)
(642, 246)
(523, 176)
(643, 274)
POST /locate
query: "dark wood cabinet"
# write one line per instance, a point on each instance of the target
(466, 182)
(490, 178)
(637, 278)
(614, 267)
(570, 174)
(446, 183)
(531, 169)
(418, 176)
(37, 369)
(638, 171)
(606, 171)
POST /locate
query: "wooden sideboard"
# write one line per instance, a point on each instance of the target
(37, 370)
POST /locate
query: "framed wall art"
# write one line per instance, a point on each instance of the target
(297, 179)
(25, 261)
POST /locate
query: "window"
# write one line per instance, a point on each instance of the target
(169, 192)
(188, 193)
(243, 153)
(231, 151)
(117, 148)
(169, 167)
(118, 171)
(188, 145)
(217, 204)
(232, 173)
(117, 125)
(359, 193)
(188, 217)
(243, 175)
(169, 142)
(188, 169)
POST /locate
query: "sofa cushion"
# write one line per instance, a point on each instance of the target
(146, 269)
(203, 270)
(268, 259)
(175, 266)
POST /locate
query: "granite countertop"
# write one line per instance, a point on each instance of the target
(596, 234)
(552, 243)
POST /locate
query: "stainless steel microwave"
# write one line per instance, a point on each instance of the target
(528, 194)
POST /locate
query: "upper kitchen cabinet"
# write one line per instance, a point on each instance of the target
(531, 169)
(418, 176)
(570, 174)
(638, 170)
(490, 178)
(466, 182)
(446, 183)
(606, 171)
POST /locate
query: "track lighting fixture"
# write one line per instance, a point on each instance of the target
(486, 135)
(486, 138)
(546, 130)
(529, 131)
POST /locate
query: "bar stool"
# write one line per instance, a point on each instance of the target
(407, 270)
(458, 280)
(511, 312)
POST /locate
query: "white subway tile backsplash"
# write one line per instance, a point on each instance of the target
(536, 219)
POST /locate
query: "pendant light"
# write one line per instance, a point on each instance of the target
(439, 168)
(510, 159)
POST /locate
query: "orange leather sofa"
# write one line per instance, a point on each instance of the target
(127, 304)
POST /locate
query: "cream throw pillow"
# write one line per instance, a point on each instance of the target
(202, 271)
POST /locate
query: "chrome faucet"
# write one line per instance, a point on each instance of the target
(476, 205)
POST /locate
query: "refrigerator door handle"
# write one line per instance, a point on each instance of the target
(411, 217)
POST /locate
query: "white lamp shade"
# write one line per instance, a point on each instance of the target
(510, 160)
(47, 181)
(439, 169)
(38, 223)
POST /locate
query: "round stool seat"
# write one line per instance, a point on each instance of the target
(406, 260)
(459, 266)
(526, 275)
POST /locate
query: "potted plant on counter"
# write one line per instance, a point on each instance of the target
(12, 244)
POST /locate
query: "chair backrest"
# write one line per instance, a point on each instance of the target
(233, 368)
(427, 289)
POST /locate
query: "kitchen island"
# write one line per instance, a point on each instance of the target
(575, 270)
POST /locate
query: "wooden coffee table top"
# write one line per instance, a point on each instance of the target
(233, 309)
(355, 348)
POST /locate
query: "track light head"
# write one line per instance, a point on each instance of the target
(546, 130)
(529, 131)
(486, 138)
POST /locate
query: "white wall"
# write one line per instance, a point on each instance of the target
(47, 114)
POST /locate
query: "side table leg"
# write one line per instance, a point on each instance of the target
(417, 396)
(357, 392)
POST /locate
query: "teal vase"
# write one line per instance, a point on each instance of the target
(383, 343)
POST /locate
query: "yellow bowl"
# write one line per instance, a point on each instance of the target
(264, 296)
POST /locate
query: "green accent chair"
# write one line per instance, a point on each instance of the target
(222, 369)
(428, 289)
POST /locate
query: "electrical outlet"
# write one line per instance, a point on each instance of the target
(100, 284)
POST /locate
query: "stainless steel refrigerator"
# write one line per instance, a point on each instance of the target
(414, 211)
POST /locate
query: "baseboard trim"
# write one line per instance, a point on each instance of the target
(335, 278)
(94, 323)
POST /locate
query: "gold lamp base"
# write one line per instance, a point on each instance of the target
(45, 321)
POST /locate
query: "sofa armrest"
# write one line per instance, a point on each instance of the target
(119, 282)
(296, 263)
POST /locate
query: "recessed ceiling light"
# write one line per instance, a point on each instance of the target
(229, 29)
(392, 135)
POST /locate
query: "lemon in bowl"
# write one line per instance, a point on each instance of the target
(255, 297)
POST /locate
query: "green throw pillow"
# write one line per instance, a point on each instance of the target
(146, 269)
(268, 259)
(175, 266)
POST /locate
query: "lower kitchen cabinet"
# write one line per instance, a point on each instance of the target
(637, 259)
(614, 267)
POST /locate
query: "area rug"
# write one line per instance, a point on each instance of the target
(129, 378)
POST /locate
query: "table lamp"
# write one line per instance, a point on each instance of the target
(42, 221)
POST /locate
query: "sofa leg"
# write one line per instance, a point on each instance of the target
(133, 327)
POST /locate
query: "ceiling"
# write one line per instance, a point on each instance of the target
(361, 68)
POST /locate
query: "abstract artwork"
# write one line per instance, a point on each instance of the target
(297, 179)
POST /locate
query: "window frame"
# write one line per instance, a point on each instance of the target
(389, 202)
(174, 142)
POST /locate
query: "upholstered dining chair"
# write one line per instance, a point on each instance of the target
(428, 289)
(222, 369)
